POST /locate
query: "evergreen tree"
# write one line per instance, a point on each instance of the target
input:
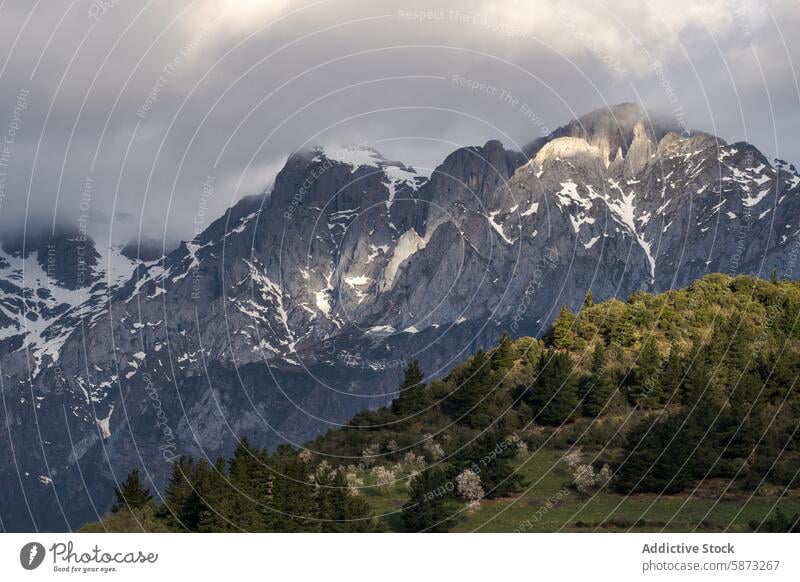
(623, 333)
(657, 458)
(643, 382)
(588, 301)
(132, 495)
(503, 355)
(494, 454)
(695, 382)
(702, 418)
(293, 496)
(672, 377)
(554, 398)
(472, 397)
(743, 426)
(249, 482)
(214, 499)
(177, 495)
(414, 396)
(428, 508)
(562, 329)
(340, 512)
(599, 385)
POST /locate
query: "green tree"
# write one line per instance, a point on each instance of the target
(643, 382)
(132, 494)
(249, 481)
(340, 512)
(493, 453)
(623, 332)
(472, 397)
(743, 424)
(554, 397)
(562, 329)
(293, 496)
(213, 500)
(599, 385)
(503, 355)
(429, 508)
(414, 396)
(588, 301)
(178, 495)
(672, 377)
(657, 458)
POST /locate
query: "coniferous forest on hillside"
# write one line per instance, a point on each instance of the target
(669, 412)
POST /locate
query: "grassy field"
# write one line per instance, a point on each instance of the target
(549, 503)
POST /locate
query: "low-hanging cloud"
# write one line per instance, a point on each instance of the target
(144, 102)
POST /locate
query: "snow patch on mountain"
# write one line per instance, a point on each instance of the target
(409, 243)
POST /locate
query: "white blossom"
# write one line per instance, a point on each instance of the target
(383, 476)
(470, 489)
(368, 455)
(433, 449)
(354, 482)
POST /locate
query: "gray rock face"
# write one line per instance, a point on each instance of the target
(299, 308)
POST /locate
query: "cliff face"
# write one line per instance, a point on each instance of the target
(297, 309)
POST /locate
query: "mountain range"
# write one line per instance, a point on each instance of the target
(300, 307)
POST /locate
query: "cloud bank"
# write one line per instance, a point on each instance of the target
(115, 114)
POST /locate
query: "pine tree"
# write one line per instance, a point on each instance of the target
(214, 499)
(562, 332)
(177, 495)
(414, 396)
(132, 495)
(588, 301)
(249, 482)
(293, 496)
(340, 512)
(494, 453)
(599, 385)
(702, 419)
(643, 382)
(658, 458)
(554, 398)
(503, 355)
(428, 508)
(695, 382)
(472, 397)
(672, 377)
(744, 425)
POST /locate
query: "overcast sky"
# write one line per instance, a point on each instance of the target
(118, 111)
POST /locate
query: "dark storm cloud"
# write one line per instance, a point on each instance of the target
(125, 109)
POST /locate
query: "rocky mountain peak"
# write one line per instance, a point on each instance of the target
(618, 132)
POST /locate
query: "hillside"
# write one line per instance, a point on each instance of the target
(676, 411)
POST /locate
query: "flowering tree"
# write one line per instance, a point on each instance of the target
(368, 455)
(585, 477)
(469, 488)
(433, 449)
(383, 476)
(354, 482)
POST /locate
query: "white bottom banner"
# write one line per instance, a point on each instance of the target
(396, 557)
